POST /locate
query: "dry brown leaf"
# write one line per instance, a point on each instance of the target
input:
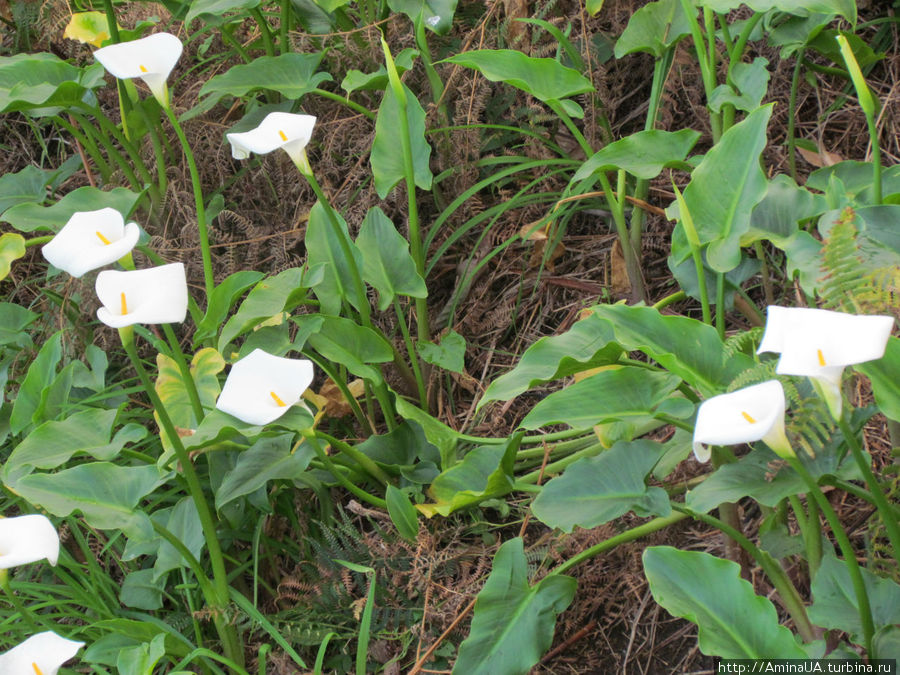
(619, 283)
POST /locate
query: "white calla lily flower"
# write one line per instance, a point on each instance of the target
(261, 387)
(27, 539)
(154, 295)
(750, 414)
(819, 344)
(91, 239)
(151, 58)
(287, 131)
(41, 654)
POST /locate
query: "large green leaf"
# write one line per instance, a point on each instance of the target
(269, 297)
(343, 341)
(30, 217)
(751, 82)
(38, 379)
(607, 396)
(22, 187)
(885, 377)
(654, 28)
(449, 354)
(183, 521)
(105, 494)
(387, 263)
(723, 190)
(513, 621)
(13, 321)
(224, 295)
(545, 79)
(12, 247)
(217, 8)
(484, 473)
(53, 443)
(594, 490)
(587, 344)
(267, 459)
(405, 450)
(776, 217)
(733, 622)
(439, 434)
(643, 154)
(386, 157)
(751, 476)
(437, 15)
(291, 75)
(686, 347)
(846, 8)
(45, 84)
(403, 514)
(855, 180)
(835, 605)
(324, 248)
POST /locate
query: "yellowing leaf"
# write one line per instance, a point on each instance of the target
(12, 247)
(90, 27)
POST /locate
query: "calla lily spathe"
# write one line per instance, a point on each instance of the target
(261, 387)
(819, 344)
(288, 131)
(41, 654)
(750, 414)
(154, 295)
(151, 58)
(91, 239)
(27, 539)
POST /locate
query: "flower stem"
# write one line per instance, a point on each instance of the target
(198, 202)
(185, 371)
(793, 603)
(195, 489)
(859, 587)
(310, 436)
(628, 535)
(884, 510)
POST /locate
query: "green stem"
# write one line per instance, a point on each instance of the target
(343, 241)
(559, 465)
(411, 351)
(337, 98)
(859, 586)
(38, 241)
(189, 384)
(616, 202)
(570, 125)
(310, 436)
(888, 518)
(90, 147)
(360, 458)
(764, 273)
(284, 26)
(792, 115)
(264, 30)
(434, 80)
(650, 527)
(720, 305)
(811, 531)
(112, 152)
(415, 235)
(195, 489)
(670, 299)
(228, 37)
(793, 603)
(23, 611)
(208, 281)
(133, 153)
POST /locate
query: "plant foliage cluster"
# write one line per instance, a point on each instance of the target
(200, 445)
